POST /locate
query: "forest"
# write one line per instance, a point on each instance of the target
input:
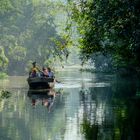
(109, 30)
(30, 31)
(105, 34)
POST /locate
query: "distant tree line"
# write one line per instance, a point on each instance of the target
(108, 33)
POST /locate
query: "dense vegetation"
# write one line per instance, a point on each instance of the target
(29, 32)
(109, 28)
(108, 33)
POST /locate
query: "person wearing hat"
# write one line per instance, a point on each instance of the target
(34, 70)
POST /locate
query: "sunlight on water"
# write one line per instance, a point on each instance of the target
(68, 85)
(81, 104)
(79, 85)
(97, 84)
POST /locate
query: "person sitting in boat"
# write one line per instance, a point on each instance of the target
(45, 72)
(35, 71)
(50, 73)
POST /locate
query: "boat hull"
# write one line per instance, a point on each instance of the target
(40, 82)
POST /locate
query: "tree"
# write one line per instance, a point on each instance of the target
(109, 27)
(29, 33)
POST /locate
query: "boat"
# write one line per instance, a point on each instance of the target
(40, 82)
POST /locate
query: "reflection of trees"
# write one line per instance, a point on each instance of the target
(22, 121)
(96, 104)
(50, 124)
(4, 94)
(127, 110)
(90, 130)
(111, 112)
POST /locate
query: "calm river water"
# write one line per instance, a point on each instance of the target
(83, 106)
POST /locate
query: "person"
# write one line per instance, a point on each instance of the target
(50, 73)
(34, 70)
(45, 72)
(33, 73)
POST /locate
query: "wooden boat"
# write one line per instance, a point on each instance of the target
(40, 82)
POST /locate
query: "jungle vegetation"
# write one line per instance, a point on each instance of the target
(107, 33)
(30, 30)
(108, 29)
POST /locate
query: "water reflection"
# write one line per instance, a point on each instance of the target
(111, 113)
(82, 107)
(4, 94)
(44, 97)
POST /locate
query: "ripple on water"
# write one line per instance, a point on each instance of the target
(68, 85)
(101, 84)
(79, 85)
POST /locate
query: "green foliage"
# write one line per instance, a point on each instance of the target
(109, 27)
(29, 32)
(17, 53)
(5, 6)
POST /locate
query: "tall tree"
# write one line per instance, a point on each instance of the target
(109, 27)
(29, 32)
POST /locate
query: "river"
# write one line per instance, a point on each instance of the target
(83, 106)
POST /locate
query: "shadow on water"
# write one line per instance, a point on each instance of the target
(4, 94)
(112, 113)
(46, 98)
